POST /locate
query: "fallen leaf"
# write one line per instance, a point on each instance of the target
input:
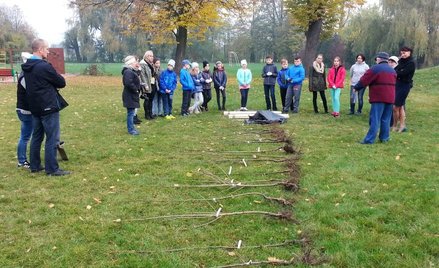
(397, 157)
(120, 169)
(231, 253)
(257, 201)
(365, 191)
(54, 247)
(51, 205)
(273, 259)
(97, 200)
(188, 174)
(88, 207)
(117, 220)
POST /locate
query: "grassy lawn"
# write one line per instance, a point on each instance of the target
(357, 206)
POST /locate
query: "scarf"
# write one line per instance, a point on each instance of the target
(320, 68)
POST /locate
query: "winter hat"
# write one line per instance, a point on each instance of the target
(218, 62)
(244, 62)
(394, 58)
(25, 56)
(186, 62)
(205, 63)
(382, 55)
(194, 65)
(129, 60)
(171, 62)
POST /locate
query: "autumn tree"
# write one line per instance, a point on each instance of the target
(170, 21)
(319, 19)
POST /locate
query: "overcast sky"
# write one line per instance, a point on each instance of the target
(48, 17)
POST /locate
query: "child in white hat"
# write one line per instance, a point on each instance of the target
(244, 77)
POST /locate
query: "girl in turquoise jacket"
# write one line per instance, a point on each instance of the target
(244, 77)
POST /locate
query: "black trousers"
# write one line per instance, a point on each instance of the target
(223, 94)
(283, 95)
(207, 96)
(186, 102)
(314, 101)
(147, 104)
(269, 92)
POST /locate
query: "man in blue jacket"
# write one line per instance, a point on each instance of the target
(42, 84)
(295, 76)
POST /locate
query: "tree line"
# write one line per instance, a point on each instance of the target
(108, 30)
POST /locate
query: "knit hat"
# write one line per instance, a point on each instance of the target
(218, 62)
(382, 55)
(244, 62)
(205, 63)
(25, 56)
(186, 62)
(194, 65)
(394, 58)
(129, 60)
(171, 62)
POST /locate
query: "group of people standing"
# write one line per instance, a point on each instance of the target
(390, 85)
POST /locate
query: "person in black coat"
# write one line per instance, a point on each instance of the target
(404, 82)
(269, 73)
(131, 90)
(45, 103)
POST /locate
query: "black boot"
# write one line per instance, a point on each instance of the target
(136, 120)
(352, 108)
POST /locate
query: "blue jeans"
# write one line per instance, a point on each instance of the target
(269, 92)
(157, 104)
(292, 99)
(130, 120)
(357, 96)
(45, 125)
(167, 103)
(244, 97)
(379, 119)
(25, 134)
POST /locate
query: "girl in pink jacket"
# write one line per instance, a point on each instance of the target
(336, 77)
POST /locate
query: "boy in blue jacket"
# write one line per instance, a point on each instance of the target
(188, 86)
(282, 81)
(168, 83)
(295, 76)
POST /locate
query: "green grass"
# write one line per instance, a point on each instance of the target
(360, 205)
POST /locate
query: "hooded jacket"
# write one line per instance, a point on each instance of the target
(42, 83)
(295, 75)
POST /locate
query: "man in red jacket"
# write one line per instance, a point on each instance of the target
(381, 79)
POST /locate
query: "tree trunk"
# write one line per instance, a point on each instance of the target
(180, 53)
(312, 42)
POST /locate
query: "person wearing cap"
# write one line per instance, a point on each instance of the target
(335, 79)
(220, 84)
(295, 76)
(393, 61)
(381, 79)
(168, 84)
(187, 85)
(207, 85)
(244, 77)
(45, 103)
(404, 82)
(25, 116)
(269, 73)
(357, 71)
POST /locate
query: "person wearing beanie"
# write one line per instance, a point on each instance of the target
(404, 82)
(295, 76)
(269, 73)
(220, 84)
(393, 61)
(335, 79)
(168, 84)
(244, 77)
(197, 93)
(381, 80)
(157, 102)
(25, 116)
(207, 85)
(187, 85)
(131, 90)
(357, 71)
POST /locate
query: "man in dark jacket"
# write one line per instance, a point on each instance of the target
(381, 79)
(42, 83)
